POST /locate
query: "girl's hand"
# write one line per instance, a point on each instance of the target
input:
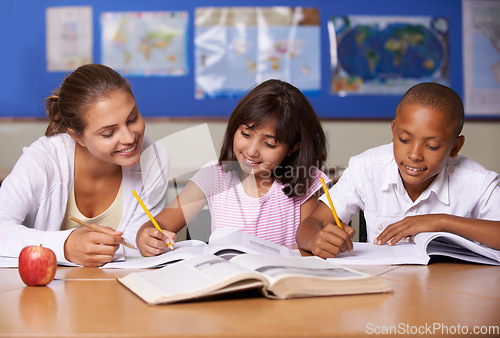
(151, 242)
(410, 226)
(332, 240)
(90, 248)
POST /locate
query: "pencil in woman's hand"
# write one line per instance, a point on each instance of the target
(91, 227)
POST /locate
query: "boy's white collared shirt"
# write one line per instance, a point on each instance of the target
(372, 183)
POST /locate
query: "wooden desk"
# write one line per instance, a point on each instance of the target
(90, 302)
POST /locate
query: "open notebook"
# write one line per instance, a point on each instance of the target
(222, 242)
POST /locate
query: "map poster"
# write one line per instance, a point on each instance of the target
(68, 37)
(481, 45)
(145, 43)
(381, 55)
(238, 47)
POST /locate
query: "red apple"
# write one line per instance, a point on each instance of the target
(37, 265)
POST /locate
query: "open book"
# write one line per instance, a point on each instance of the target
(424, 246)
(221, 242)
(277, 277)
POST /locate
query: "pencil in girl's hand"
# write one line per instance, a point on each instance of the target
(150, 216)
(91, 227)
(327, 193)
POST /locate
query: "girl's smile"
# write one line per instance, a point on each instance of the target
(257, 150)
(250, 162)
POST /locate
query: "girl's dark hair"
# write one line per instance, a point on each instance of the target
(79, 90)
(296, 121)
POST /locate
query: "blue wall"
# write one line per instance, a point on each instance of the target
(25, 82)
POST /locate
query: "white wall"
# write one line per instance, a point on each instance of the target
(345, 138)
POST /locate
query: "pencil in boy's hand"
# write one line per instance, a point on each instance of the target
(91, 227)
(327, 193)
(149, 215)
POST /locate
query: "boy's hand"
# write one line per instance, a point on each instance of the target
(151, 242)
(332, 240)
(90, 248)
(410, 226)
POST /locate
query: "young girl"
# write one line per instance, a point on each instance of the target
(86, 166)
(266, 179)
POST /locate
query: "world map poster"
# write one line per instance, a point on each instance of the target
(381, 55)
(145, 43)
(238, 47)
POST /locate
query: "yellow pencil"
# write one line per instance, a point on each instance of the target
(149, 215)
(89, 226)
(325, 188)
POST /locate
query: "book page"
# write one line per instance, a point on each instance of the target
(9, 262)
(13, 262)
(227, 239)
(192, 278)
(182, 250)
(371, 254)
(455, 246)
(291, 277)
(222, 242)
(275, 268)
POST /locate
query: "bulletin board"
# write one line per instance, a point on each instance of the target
(25, 81)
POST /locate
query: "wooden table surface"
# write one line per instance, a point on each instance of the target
(90, 302)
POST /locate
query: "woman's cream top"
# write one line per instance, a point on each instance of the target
(109, 218)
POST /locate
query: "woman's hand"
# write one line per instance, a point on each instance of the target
(90, 248)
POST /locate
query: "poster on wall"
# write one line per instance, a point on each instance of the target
(384, 55)
(68, 37)
(145, 43)
(238, 47)
(481, 44)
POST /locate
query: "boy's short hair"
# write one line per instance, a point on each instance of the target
(438, 97)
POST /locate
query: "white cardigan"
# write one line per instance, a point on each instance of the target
(34, 196)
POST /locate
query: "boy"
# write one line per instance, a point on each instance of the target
(417, 184)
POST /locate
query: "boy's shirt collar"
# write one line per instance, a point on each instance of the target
(440, 185)
(391, 177)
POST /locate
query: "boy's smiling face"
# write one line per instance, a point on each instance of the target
(423, 140)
